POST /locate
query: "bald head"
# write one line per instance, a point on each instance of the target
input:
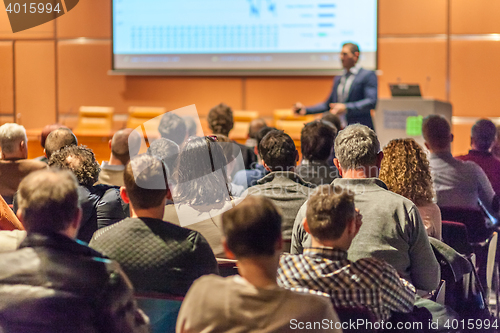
(437, 133)
(59, 138)
(46, 131)
(124, 144)
(483, 135)
(255, 126)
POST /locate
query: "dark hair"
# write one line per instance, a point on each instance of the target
(58, 139)
(262, 133)
(329, 210)
(125, 143)
(352, 46)
(165, 150)
(172, 127)
(333, 119)
(78, 159)
(145, 179)
(201, 157)
(316, 140)
(220, 119)
(250, 231)
(48, 200)
(278, 151)
(483, 134)
(436, 131)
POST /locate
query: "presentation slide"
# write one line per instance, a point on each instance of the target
(241, 34)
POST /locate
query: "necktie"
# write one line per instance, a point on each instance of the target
(345, 91)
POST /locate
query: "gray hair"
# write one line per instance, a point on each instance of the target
(11, 135)
(356, 146)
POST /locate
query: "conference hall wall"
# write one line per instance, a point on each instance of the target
(446, 46)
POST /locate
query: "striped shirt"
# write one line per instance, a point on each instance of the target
(369, 282)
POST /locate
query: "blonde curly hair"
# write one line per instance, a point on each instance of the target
(405, 170)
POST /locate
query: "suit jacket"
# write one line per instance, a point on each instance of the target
(361, 100)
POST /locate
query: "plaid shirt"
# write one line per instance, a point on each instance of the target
(369, 282)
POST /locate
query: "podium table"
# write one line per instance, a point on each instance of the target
(401, 117)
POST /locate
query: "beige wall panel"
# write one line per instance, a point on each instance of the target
(461, 139)
(6, 78)
(35, 83)
(266, 94)
(398, 17)
(90, 18)
(475, 17)
(474, 78)
(45, 30)
(413, 60)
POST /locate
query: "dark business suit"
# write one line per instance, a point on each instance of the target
(361, 99)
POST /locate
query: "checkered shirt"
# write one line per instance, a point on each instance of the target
(368, 282)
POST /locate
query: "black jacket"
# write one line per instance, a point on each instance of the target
(53, 284)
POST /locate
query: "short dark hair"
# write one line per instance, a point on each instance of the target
(48, 200)
(278, 151)
(316, 140)
(352, 46)
(59, 138)
(436, 131)
(172, 127)
(483, 134)
(220, 119)
(252, 232)
(262, 133)
(329, 210)
(78, 159)
(145, 179)
(333, 119)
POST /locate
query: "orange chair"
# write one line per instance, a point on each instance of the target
(242, 121)
(148, 116)
(95, 120)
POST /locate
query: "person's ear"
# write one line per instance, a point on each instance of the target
(265, 166)
(229, 253)
(20, 216)
(109, 144)
(124, 195)
(256, 151)
(278, 247)
(306, 226)
(451, 137)
(337, 165)
(78, 218)
(45, 153)
(296, 155)
(427, 145)
(169, 195)
(380, 156)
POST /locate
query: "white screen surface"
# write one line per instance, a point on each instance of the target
(226, 35)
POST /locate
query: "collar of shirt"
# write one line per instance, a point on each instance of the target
(284, 174)
(107, 166)
(313, 163)
(442, 155)
(354, 70)
(325, 253)
(480, 153)
(361, 184)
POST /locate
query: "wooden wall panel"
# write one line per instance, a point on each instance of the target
(397, 17)
(42, 31)
(90, 18)
(461, 138)
(474, 78)
(265, 94)
(475, 17)
(35, 83)
(413, 60)
(6, 78)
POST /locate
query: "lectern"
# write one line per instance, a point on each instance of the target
(401, 117)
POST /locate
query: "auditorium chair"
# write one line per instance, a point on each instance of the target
(474, 220)
(148, 116)
(162, 310)
(242, 121)
(455, 235)
(95, 120)
(227, 267)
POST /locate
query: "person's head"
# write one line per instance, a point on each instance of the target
(259, 136)
(191, 126)
(278, 151)
(220, 119)
(173, 127)
(437, 133)
(163, 148)
(123, 143)
(13, 141)
(330, 214)
(78, 159)
(48, 202)
(316, 140)
(405, 170)
(146, 185)
(349, 55)
(250, 232)
(46, 131)
(357, 148)
(255, 126)
(333, 119)
(200, 174)
(483, 134)
(59, 138)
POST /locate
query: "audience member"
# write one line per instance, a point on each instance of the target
(393, 230)
(167, 151)
(220, 121)
(457, 183)
(54, 283)
(124, 144)
(173, 127)
(43, 136)
(282, 186)
(253, 129)
(335, 120)
(249, 178)
(333, 222)
(495, 148)
(405, 170)
(14, 165)
(57, 139)
(157, 256)
(316, 143)
(191, 126)
(101, 204)
(252, 301)
(483, 136)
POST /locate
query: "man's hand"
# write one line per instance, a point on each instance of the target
(299, 108)
(337, 108)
